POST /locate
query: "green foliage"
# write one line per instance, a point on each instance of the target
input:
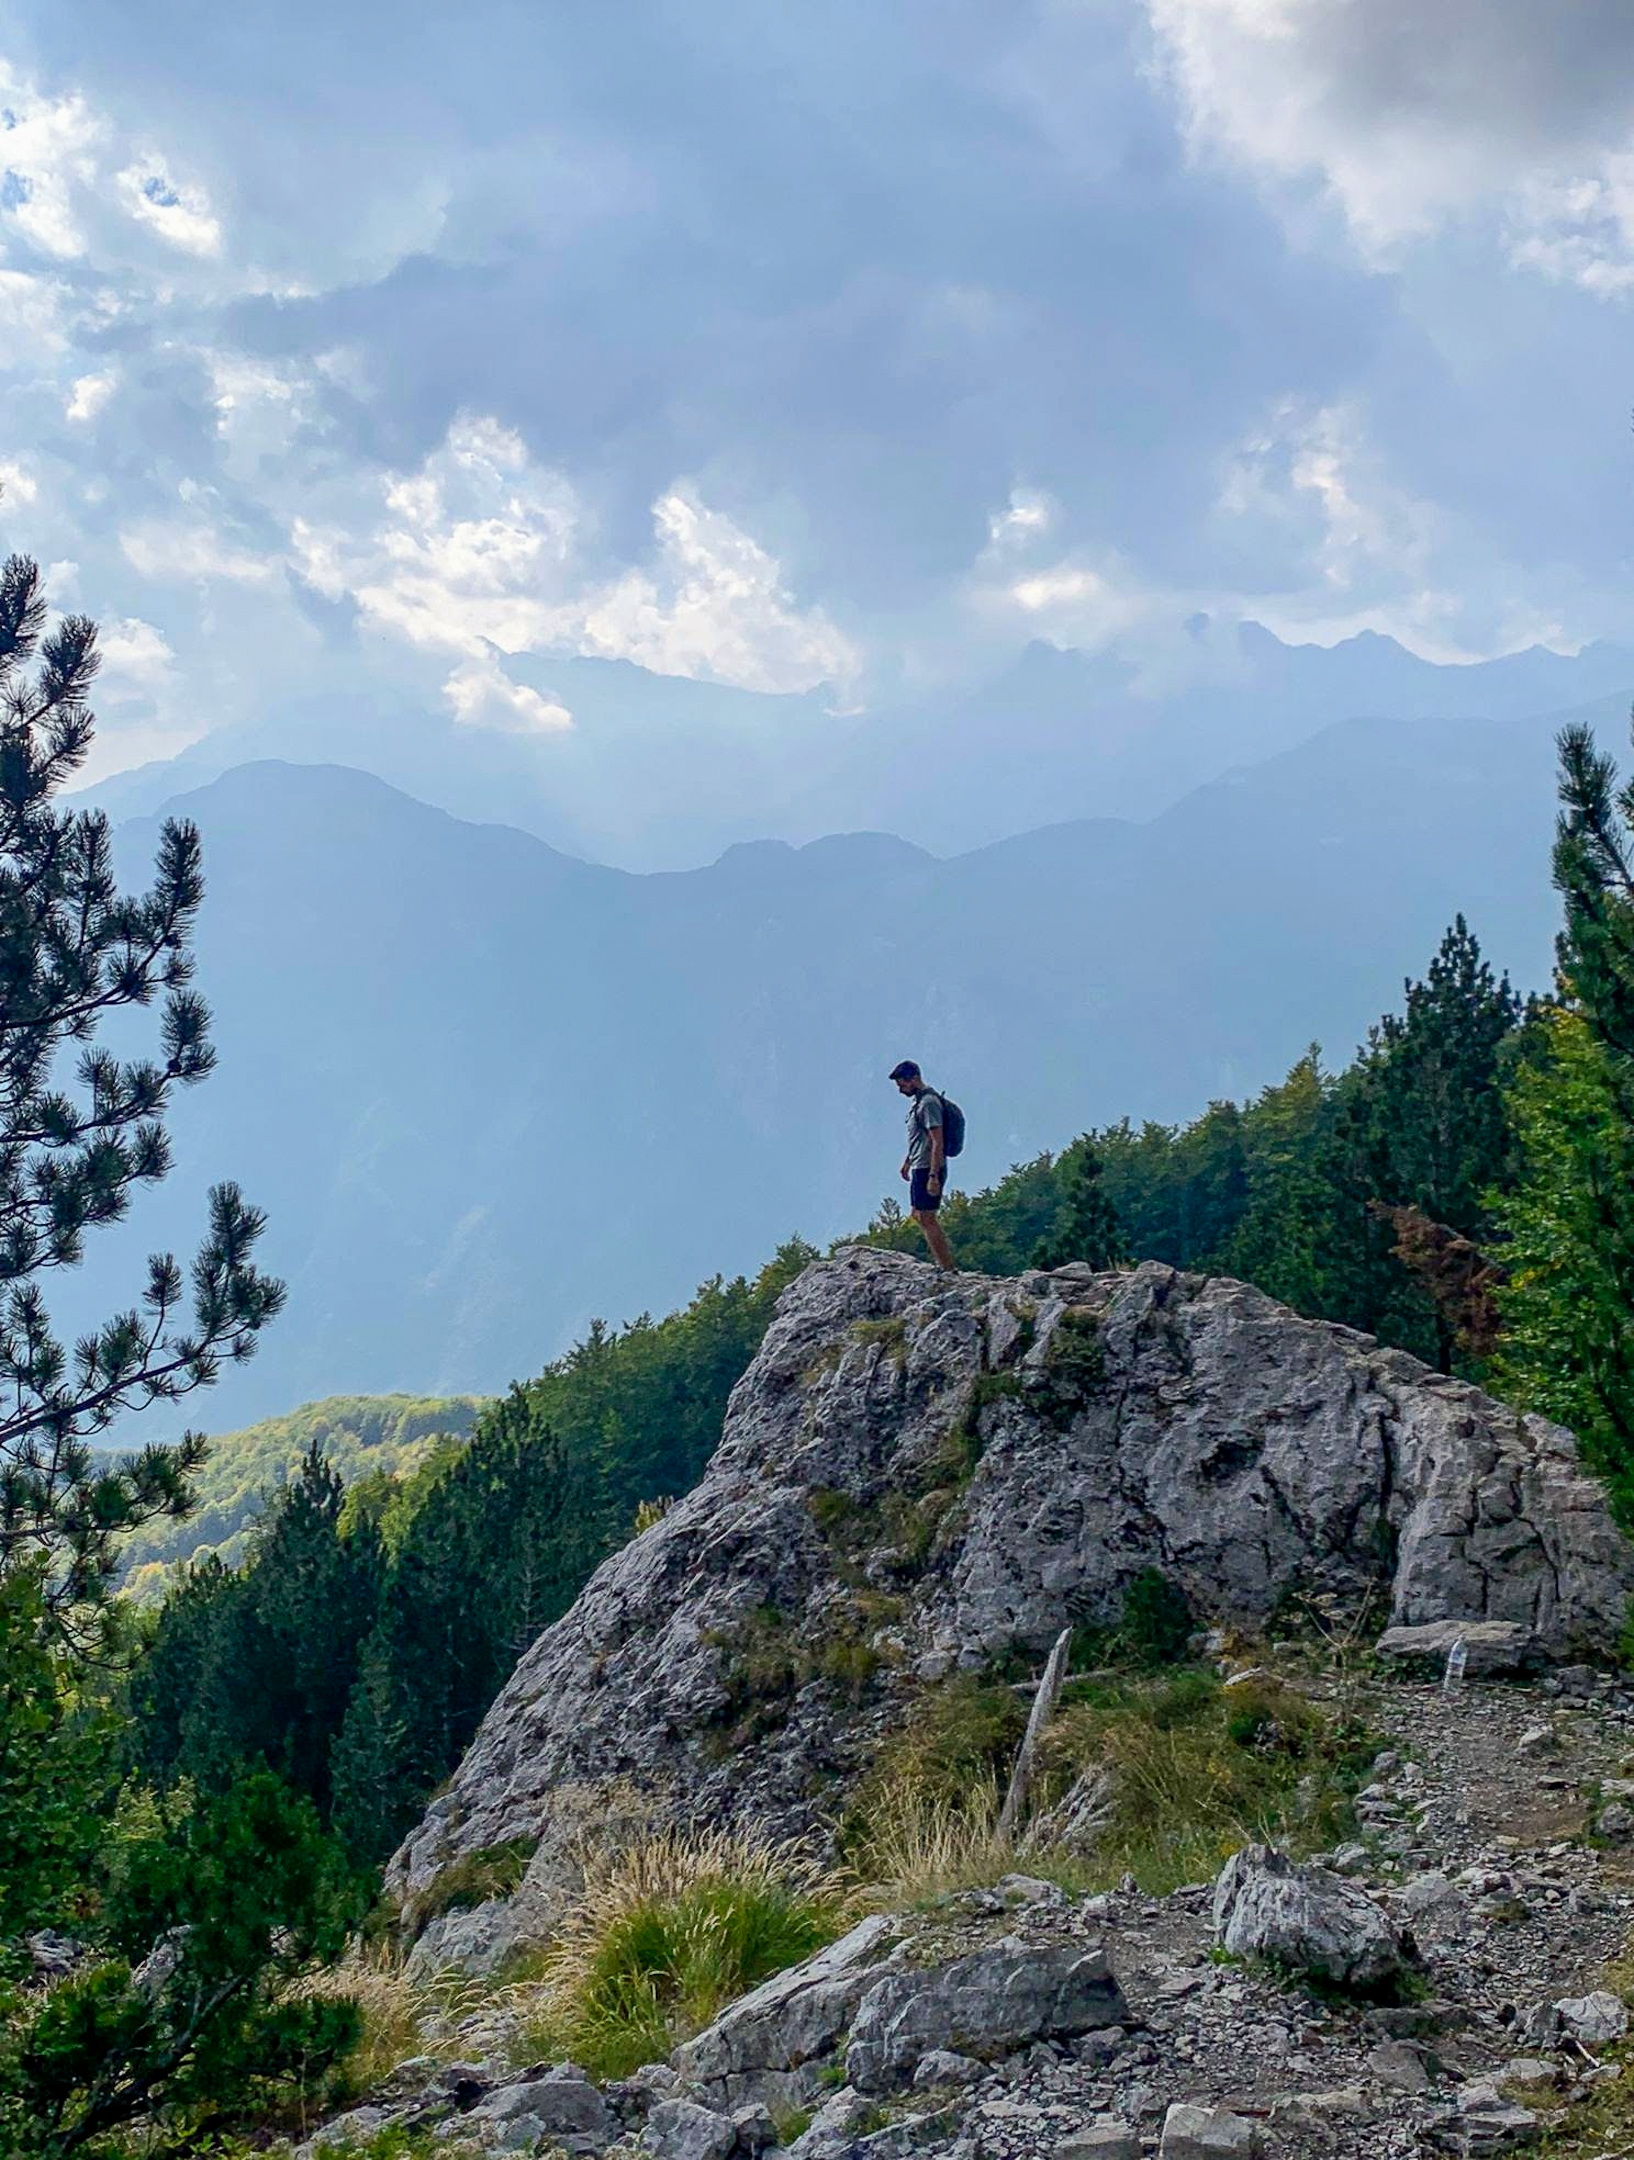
(1073, 1368)
(1198, 1770)
(500, 1548)
(359, 1644)
(75, 956)
(1154, 1628)
(491, 1871)
(259, 1666)
(1567, 1347)
(957, 1734)
(56, 1774)
(1086, 1225)
(1568, 1343)
(663, 1966)
(363, 1438)
(209, 1914)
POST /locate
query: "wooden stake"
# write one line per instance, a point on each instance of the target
(1021, 1777)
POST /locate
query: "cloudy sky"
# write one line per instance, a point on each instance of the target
(841, 347)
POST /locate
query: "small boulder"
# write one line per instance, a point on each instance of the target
(1490, 1646)
(1615, 1823)
(1204, 2133)
(681, 2130)
(790, 2019)
(1310, 1920)
(1432, 1902)
(757, 2133)
(1107, 2138)
(569, 2111)
(989, 2003)
(1488, 2123)
(942, 2067)
(1399, 2066)
(1595, 2019)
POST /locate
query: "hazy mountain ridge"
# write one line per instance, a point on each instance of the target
(487, 1091)
(661, 773)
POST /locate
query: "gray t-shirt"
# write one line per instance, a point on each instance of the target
(924, 1118)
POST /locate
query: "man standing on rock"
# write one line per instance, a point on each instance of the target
(926, 1161)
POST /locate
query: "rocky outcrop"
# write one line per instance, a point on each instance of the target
(920, 1474)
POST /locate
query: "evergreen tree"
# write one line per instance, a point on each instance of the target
(501, 1548)
(208, 1917)
(56, 1768)
(1419, 1122)
(1087, 1226)
(258, 1666)
(75, 952)
(1568, 1345)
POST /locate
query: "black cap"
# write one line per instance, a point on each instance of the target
(907, 1070)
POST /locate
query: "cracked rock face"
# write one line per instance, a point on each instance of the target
(919, 1473)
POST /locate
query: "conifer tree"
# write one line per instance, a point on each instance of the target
(81, 1130)
(1568, 1309)
(1086, 1226)
(1419, 1122)
(500, 1548)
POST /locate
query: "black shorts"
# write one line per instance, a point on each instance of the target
(919, 1200)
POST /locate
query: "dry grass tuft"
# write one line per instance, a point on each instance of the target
(923, 1843)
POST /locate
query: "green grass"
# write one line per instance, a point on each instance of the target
(490, 1872)
(890, 1334)
(668, 1936)
(1199, 1770)
(961, 1731)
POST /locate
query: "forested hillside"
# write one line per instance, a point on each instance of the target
(378, 1435)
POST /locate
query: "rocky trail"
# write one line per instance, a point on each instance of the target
(1493, 1828)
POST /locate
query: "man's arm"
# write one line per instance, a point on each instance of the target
(933, 1132)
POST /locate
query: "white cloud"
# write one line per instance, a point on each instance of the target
(17, 483)
(48, 154)
(31, 320)
(89, 393)
(1408, 119)
(172, 552)
(178, 212)
(481, 549)
(135, 655)
(714, 607)
(1312, 473)
(1026, 517)
(482, 695)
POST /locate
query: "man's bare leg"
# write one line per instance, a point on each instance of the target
(941, 1251)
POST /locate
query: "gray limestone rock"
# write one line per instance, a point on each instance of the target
(569, 2111)
(989, 2003)
(793, 2018)
(1490, 1646)
(943, 2067)
(1205, 2133)
(1108, 1423)
(1307, 1919)
(1595, 2019)
(1109, 2139)
(681, 2130)
(1488, 2123)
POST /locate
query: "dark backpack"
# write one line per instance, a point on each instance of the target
(953, 1124)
